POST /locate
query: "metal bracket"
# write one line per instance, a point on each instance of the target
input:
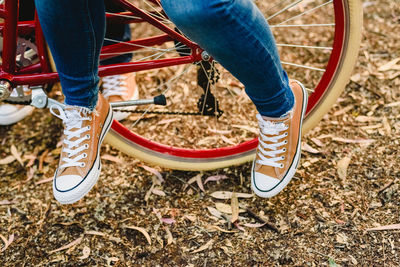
(41, 100)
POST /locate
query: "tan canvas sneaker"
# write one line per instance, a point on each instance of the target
(80, 164)
(278, 151)
(120, 88)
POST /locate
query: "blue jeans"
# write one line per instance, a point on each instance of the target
(234, 32)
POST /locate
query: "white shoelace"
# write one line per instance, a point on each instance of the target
(274, 131)
(73, 119)
(114, 85)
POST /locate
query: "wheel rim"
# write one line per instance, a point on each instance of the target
(248, 146)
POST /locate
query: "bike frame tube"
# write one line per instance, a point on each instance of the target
(9, 36)
(40, 73)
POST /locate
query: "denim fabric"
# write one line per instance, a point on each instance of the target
(237, 35)
(74, 30)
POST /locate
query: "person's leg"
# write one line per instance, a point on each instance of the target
(74, 31)
(237, 35)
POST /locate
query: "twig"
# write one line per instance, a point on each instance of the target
(228, 220)
(386, 186)
(258, 218)
(184, 182)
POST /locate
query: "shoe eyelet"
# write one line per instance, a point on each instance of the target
(84, 155)
(281, 166)
(283, 157)
(286, 134)
(86, 145)
(83, 164)
(285, 142)
(284, 150)
(88, 136)
(88, 127)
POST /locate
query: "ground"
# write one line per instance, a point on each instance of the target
(348, 182)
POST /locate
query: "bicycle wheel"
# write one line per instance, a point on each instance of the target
(318, 42)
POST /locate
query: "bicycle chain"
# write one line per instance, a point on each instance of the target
(183, 113)
(161, 112)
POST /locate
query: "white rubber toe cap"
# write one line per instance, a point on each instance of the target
(67, 182)
(264, 182)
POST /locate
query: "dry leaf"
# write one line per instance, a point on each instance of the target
(342, 167)
(85, 253)
(228, 195)
(7, 160)
(214, 212)
(224, 208)
(70, 245)
(385, 227)
(254, 225)
(216, 227)
(353, 141)
(170, 238)
(8, 242)
(153, 171)
(204, 247)
(16, 154)
(168, 220)
(158, 192)
(112, 158)
(29, 174)
(310, 149)
(196, 179)
(95, 233)
(215, 178)
(46, 180)
(142, 230)
(235, 208)
(6, 202)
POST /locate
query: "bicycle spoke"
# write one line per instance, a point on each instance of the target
(306, 12)
(302, 66)
(284, 9)
(303, 25)
(306, 46)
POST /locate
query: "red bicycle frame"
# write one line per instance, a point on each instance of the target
(40, 73)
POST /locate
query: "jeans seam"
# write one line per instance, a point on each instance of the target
(91, 60)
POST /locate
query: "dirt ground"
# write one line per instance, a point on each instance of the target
(348, 183)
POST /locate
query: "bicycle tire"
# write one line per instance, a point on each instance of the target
(119, 137)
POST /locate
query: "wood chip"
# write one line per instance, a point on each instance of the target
(142, 230)
(391, 65)
(342, 166)
(385, 227)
